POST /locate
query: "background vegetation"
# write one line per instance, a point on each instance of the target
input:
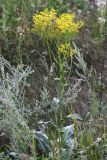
(53, 107)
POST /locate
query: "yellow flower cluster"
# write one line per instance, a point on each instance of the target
(48, 24)
(44, 23)
(66, 23)
(66, 50)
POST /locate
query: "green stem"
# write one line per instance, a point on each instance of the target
(61, 66)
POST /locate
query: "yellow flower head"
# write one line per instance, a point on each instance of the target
(49, 25)
(66, 23)
(44, 23)
(66, 50)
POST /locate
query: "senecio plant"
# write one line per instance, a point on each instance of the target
(58, 29)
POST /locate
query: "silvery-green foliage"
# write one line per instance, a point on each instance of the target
(41, 140)
(68, 134)
(71, 94)
(86, 74)
(43, 107)
(12, 110)
(69, 142)
(45, 98)
(81, 64)
(90, 78)
(12, 76)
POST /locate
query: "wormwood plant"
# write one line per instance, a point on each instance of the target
(12, 107)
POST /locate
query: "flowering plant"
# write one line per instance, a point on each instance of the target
(48, 24)
(57, 29)
(66, 50)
